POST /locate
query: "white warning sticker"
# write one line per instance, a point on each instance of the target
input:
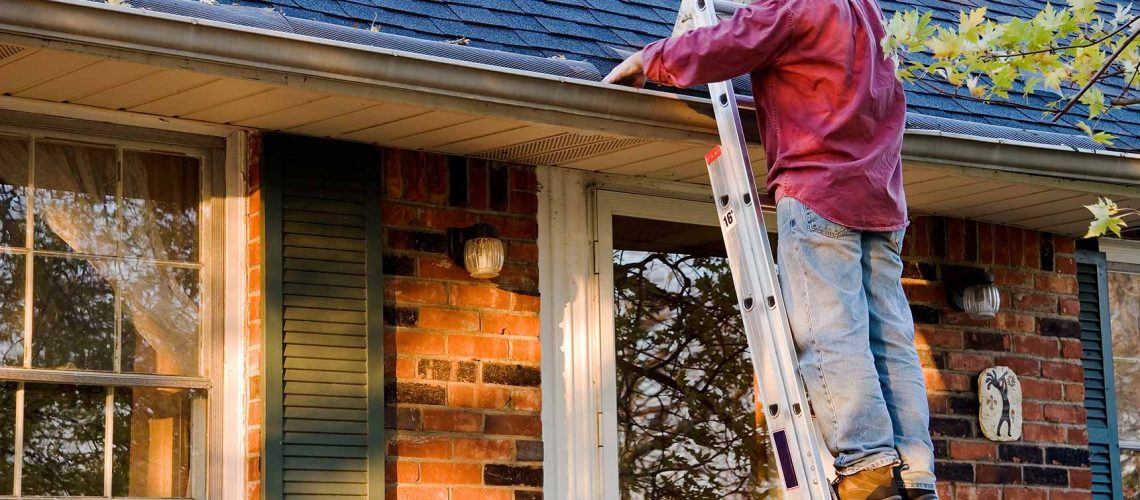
(728, 219)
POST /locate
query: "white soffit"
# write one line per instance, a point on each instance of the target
(37, 74)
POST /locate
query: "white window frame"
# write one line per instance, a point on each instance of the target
(576, 211)
(1124, 253)
(228, 187)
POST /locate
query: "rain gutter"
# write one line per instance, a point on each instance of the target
(392, 75)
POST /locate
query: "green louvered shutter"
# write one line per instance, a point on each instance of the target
(1100, 393)
(323, 290)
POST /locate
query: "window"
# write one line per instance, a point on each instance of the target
(1121, 278)
(104, 359)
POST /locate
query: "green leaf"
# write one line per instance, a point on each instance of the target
(1094, 99)
(968, 24)
(1098, 137)
(1105, 219)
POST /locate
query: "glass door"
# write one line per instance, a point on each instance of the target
(679, 415)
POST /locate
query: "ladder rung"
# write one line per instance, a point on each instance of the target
(724, 10)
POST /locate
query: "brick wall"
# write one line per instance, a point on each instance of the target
(462, 355)
(255, 408)
(1036, 334)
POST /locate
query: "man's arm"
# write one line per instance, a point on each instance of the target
(754, 37)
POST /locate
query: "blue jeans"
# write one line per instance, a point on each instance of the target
(855, 336)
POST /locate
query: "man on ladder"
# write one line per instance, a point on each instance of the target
(832, 114)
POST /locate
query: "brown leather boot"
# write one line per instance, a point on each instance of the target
(870, 484)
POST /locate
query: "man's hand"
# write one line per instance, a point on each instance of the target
(630, 72)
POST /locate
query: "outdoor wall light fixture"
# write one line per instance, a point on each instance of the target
(478, 249)
(972, 290)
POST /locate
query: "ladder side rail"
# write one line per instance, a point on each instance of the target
(766, 325)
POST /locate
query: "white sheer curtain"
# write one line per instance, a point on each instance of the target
(77, 201)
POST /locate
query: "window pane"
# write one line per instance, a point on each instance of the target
(7, 436)
(160, 319)
(63, 440)
(74, 315)
(1123, 291)
(160, 206)
(1130, 473)
(687, 420)
(11, 310)
(1127, 375)
(152, 442)
(75, 198)
(13, 191)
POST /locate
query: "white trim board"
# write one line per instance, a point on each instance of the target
(1123, 251)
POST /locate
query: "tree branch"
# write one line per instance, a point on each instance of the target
(1092, 81)
(1125, 101)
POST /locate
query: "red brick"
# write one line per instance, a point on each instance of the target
(1080, 478)
(926, 336)
(484, 296)
(445, 218)
(938, 404)
(404, 492)
(1035, 302)
(969, 362)
(403, 368)
(1018, 278)
(477, 346)
(985, 243)
(451, 473)
(1062, 371)
(523, 178)
(526, 350)
(1056, 283)
(956, 239)
(920, 228)
(1032, 411)
(523, 202)
(1035, 345)
(1041, 389)
(415, 291)
(997, 474)
(1021, 366)
(941, 381)
(1078, 437)
(448, 319)
(1067, 414)
(1023, 493)
(481, 494)
(522, 251)
(918, 291)
(1072, 348)
(514, 425)
(525, 303)
(476, 396)
(1031, 249)
(965, 450)
(399, 214)
(393, 174)
(477, 187)
(1066, 265)
(1023, 323)
(451, 420)
(443, 269)
(1069, 307)
(510, 324)
(1043, 433)
(402, 471)
(1075, 393)
(1002, 241)
(1070, 495)
(419, 447)
(484, 449)
(526, 399)
(1064, 244)
(411, 342)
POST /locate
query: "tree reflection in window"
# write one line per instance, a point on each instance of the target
(687, 421)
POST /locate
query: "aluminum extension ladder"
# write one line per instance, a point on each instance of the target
(797, 444)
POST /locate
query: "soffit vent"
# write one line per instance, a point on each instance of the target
(7, 51)
(560, 149)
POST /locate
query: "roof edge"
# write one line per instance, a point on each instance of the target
(386, 74)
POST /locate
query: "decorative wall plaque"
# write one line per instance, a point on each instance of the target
(999, 401)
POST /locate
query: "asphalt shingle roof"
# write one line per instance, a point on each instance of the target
(600, 31)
